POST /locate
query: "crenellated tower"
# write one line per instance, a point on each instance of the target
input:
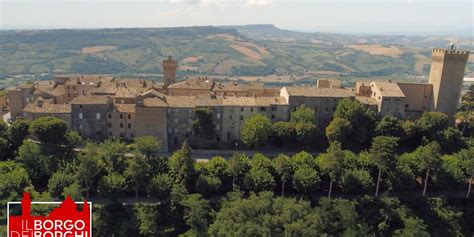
(446, 75)
(169, 71)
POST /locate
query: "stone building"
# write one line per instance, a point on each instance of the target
(101, 106)
(446, 76)
(46, 107)
(121, 121)
(322, 100)
(89, 115)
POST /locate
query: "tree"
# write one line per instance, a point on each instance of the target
(467, 159)
(382, 153)
(138, 171)
(303, 114)
(305, 132)
(147, 146)
(389, 126)
(5, 150)
(239, 165)
(332, 163)
(89, 167)
(340, 218)
(306, 179)
(256, 130)
(112, 186)
(451, 140)
(429, 160)
(38, 164)
(208, 185)
(217, 166)
(112, 153)
(361, 118)
(258, 179)
(58, 181)
(18, 131)
(197, 214)
(356, 181)
(338, 130)
(430, 123)
(49, 129)
(264, 215)
(74, 190)
(147, 220)
(13, 180)
(284, 168)
(181, 165)
(284, 132)
(203, 126)
(160, 185)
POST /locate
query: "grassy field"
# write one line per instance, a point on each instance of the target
(248, 51)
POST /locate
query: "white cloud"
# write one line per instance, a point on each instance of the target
(257, 3)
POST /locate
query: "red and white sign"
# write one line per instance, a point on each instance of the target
(63, 221)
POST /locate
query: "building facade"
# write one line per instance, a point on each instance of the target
(102, 106)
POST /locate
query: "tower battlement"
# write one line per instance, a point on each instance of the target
(446, 75)
(169, 63)
(169, 71)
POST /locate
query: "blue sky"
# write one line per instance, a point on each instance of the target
(348, 16)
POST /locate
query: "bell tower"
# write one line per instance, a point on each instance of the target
(446, 76)
(169, 71)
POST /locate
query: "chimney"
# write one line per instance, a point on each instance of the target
(39, 103)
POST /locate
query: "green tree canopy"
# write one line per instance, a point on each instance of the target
(256, 130)
(361, 118)
(181, 166)
(49, 129)
(13, 180)
(148, 146)
(18, 131)
(306, 179)
(389, 125)
(338, 130)
(112, 186)
(430, 123)
(203, 125)
(303, 114)
(258, 179)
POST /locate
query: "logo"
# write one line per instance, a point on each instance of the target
(62, 221)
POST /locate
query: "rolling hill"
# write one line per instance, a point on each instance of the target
(251, 52)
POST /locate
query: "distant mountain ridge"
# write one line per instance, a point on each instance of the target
(255, 51)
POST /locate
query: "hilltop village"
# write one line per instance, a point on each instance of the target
(99, 106)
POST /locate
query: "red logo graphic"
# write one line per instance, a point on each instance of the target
(63, 221)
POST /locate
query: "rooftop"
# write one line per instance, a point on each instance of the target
(388, 88)
(193, 83)
(91, 99)
(313, 91)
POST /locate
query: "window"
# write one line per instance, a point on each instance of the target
(109, 115)
(315, 108)
(426, 96)
(218, 127)
(406, 106)
(110, 125)
(121, 125)
(228, 136)
(334, 99)
(242, 109)
(273, 116)
(97, 115)
(129, 125)
(80, 106)
(68, 87)
(251, 109)
(80, 115)
(424, 107)
(121, 134)
(218, 115)
(129, 116)
(73, 87)
(230, 116)
(274, 108)
(241, 117)
(397, 99)
(263, 109)
(121, 116)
